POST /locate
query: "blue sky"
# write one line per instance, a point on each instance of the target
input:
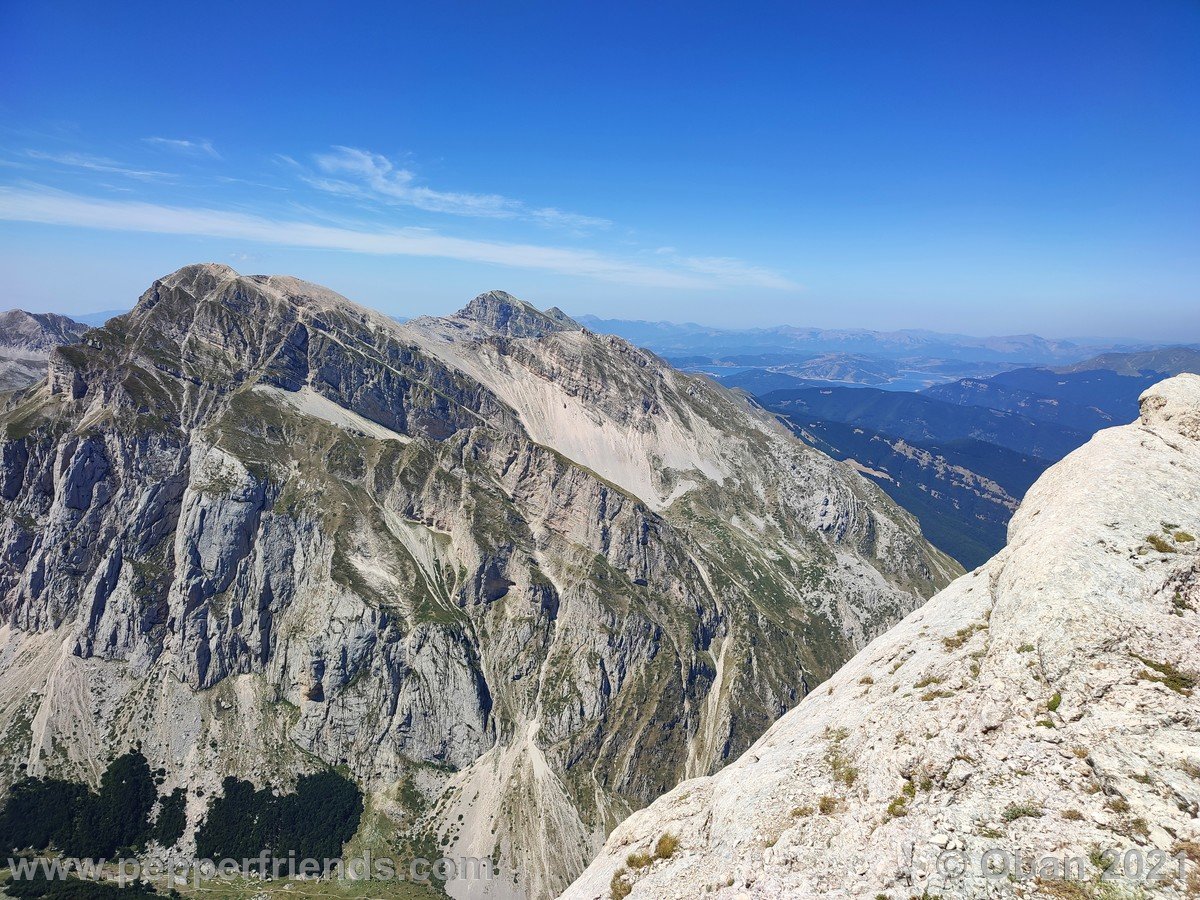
(965, 166)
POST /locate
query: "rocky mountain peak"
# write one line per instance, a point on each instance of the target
(257, 294)
(37, 332)
(504, 313)
(26, 341)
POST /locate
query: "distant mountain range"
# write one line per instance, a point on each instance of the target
(99, 318)
(1089, 399)
(921, 419)
(960, 455)
(690, 340)
(1163, 361)
(994, 393)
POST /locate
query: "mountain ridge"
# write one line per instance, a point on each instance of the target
(26, 340)
(1163, 361)
(673, 339)
(432, 553)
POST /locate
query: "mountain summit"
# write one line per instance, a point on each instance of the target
(517, 578)
(1040, 708)
(26, 340)
(505, 314)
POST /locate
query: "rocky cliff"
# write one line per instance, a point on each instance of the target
(1039, 709)
(26, 340)
(518, 578)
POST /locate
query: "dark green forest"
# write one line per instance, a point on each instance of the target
(314, 822)
(46, 812)
(119, 819)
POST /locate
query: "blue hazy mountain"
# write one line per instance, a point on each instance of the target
(963, 492)
(96, 319)
(1162, 361)
(784, 342)
(1082, 414)
(1087, 395)
(961, 469)
(925, 420)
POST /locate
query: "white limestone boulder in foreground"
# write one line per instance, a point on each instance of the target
(1042, 707)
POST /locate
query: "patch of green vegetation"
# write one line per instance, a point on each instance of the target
(1183, 537)
(638, 860)
(1026, 648)
(898, 808)
(927, 681)
(963, 635)
(316, 821)
(620, 887)
(1160, 543)
(1178, 681)
(45, 813)
(1054, 702)
(827, 805)
(172, 818)
(1025, 810)
(239, 888)
(71, 888)
(835, 757)
(666, 846)
(936, 695)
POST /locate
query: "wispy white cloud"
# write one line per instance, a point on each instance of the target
(181, 145)
(736, 271)
(47, 206)
(556, 218)
(97, 164)
(371, 176)
(378, 182)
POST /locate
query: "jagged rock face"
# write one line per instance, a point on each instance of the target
(518, 585)
(503, 313)
(1042, 706)
(26, 340)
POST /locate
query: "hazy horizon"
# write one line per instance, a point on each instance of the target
(1084, 340)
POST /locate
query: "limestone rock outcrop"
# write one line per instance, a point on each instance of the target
(1040, 708)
